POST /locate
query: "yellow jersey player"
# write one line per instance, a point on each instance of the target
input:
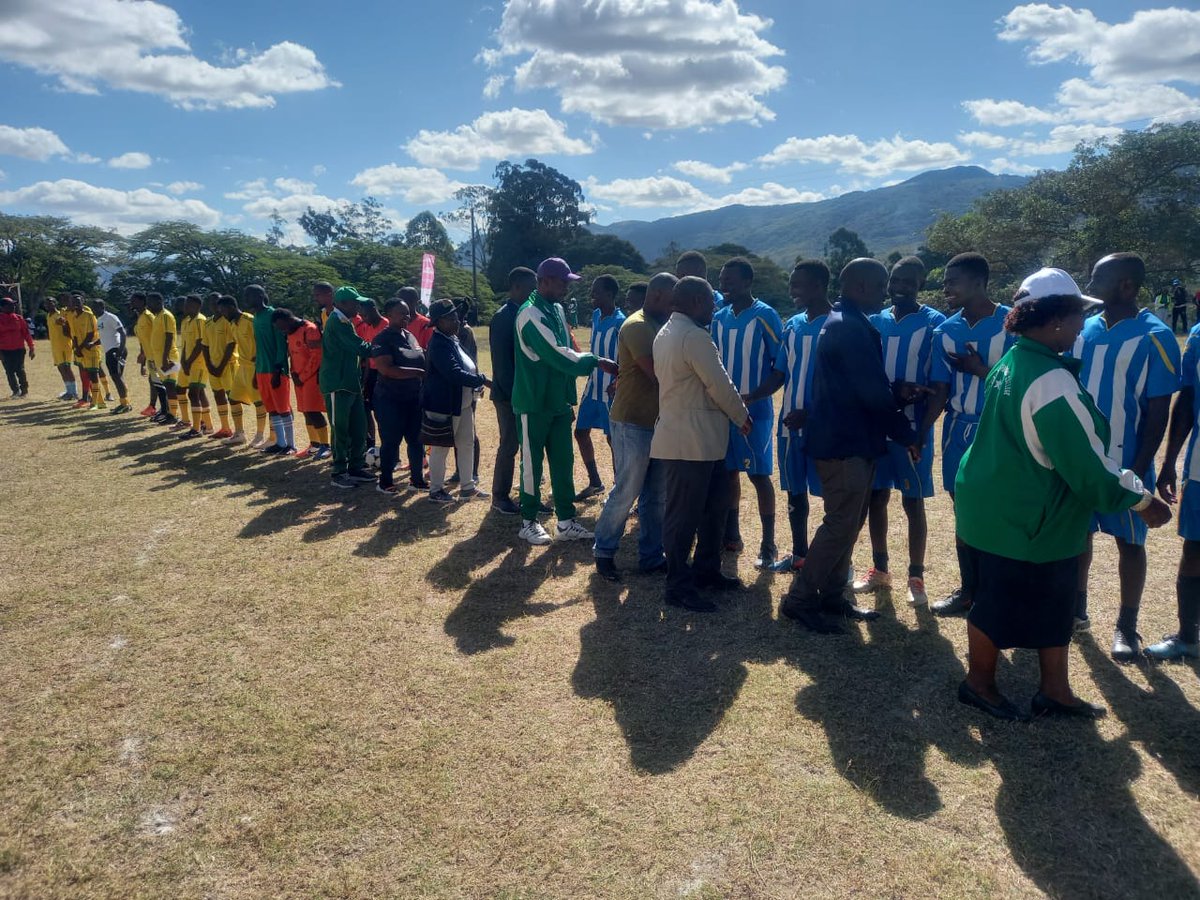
(217, 337)
(143, 327)
(85, 341)
(240, 358)
(61, 350)
(191, 348)
(162, 356)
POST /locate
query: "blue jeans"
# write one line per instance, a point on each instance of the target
(635, 477)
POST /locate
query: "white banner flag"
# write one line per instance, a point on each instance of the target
(427, 270)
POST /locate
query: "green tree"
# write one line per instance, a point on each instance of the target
(46, 254)
(1139, 191)
(842, 246)
(425, 233)
(533, 211)
(589, 249)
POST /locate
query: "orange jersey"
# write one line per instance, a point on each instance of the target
(304, 346)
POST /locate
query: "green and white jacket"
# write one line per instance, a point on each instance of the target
(1038, 468)
(547, 362)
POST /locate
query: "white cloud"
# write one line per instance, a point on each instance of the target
(86, 158)
(125, 211)
(290, 198)
(414, 185)
(184, 187)
(318, 170)
(1155, 45)
(851, 154)
(661, 64)
(984, 139)
(493, 136)
(494, 85)
(668, 192)
(132, 160)
(1085, 101)
(295, 186)
(1006, 112)
(30, 143)
(1002, 166)
(719, 174)
(141, 46)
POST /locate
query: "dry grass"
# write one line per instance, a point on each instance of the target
(220, 679)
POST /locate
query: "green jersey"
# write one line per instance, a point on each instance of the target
(547, 362)
(271, 353)
(1038, 470)
(342, 352)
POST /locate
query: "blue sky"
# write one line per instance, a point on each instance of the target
(123, 112)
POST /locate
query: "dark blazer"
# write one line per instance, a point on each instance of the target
(445, 377)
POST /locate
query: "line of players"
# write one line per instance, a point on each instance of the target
(1130, 364)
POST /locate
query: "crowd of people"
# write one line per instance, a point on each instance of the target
(1053, 421)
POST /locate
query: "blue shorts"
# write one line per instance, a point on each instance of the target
(895, 469)
(753, 454)
(797, 471)
(1189, 511)
(1127, 526)
(957, 433)
(593, 414)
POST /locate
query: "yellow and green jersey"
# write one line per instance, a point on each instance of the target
(164, 324)
(243, 333)
(191, 337)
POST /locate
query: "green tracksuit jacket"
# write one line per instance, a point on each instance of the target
(547, 364)
(342, 352)
(1038, 469)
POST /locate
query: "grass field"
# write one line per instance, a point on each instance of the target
(219, 677)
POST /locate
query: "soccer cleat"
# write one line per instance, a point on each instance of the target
(473, 494)
(1172, 648)
(441, 498)
(323, 452)
(149, 411)
(258, 441)
(288, 451)
(273, 450)
(1126, 645)
(767, 556)
(391, 490)
(572, 531)
(342, 481)
(534, 533)
(83, 404)
(916, 592)
(65, 395)
(220, 435)
(15, 395)
(361, 476)
(305, 453)
(875, 580)
(181, 425)
(108, 398)
(95, 407)
(236, 439)
(189, 435)
(592, 490)
(789, 563)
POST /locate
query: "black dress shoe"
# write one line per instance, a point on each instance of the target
(691, 601)
(607, 569)
(838, 605)
(718, 581)
(505, 506)
(1002, 710)
(660, 569)
(957, 604)
(1044, 706)
(812, 619)
(1126, 645)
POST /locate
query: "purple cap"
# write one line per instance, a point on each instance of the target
(556, 268)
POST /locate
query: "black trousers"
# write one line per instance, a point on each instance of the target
(14, 370)
(506, 453)
(114, 360)
(369, 379)
(698, 495)
(1177, 313)
(399, 420)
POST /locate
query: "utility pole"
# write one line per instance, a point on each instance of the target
(474, 272)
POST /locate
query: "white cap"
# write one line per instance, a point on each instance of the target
(1049, 283)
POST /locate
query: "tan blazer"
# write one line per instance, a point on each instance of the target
(696, 399)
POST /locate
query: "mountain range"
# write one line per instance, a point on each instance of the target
(887, 218)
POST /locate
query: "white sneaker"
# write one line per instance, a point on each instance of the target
(258, 441)
(873, 582)
(535, 534)
(572, 531)
(916, 592)
(236, 439)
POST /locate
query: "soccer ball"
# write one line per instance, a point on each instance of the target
(373, 458)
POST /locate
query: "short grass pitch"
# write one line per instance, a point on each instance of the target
(219, 677)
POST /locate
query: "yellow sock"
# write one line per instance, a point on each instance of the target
(312, 434)
(206, 418)
(97, 394)
(173, 406)
(323, 434)
(107, 389)
(260, 419)
(185, 409)
(223, 415)
(124, 399)
(236, 410)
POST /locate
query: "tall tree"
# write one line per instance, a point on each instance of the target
(842, 246)
(532, 212)
(46, 254)
(425, 233)
(589, 249)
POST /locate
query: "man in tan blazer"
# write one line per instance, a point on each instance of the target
(696, 401)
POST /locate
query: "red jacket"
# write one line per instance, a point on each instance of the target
(14, 332)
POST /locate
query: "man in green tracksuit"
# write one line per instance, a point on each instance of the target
(342, 352)
(547, 365)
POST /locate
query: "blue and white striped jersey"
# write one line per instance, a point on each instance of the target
(1191, 379)
(797, 360)
(747, 343)
(1124, 367)
(908, 348)
(987, 337)
(604, 344)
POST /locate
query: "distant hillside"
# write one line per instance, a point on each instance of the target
(890, 218)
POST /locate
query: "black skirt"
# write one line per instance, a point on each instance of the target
(1025, 604)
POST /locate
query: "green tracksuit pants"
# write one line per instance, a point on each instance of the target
(547, 437)
(348, 417)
